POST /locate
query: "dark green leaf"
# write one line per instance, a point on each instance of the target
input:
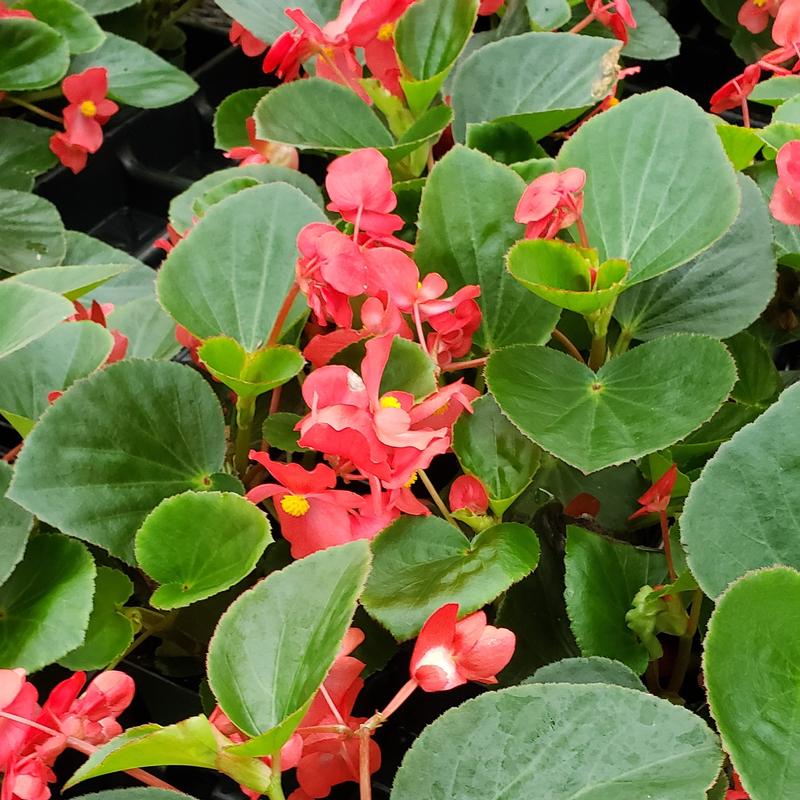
(32, 55)
(31, 231)
(24, 153)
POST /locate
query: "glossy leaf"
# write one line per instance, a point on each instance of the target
(31, 231)
(631, 407)
(421, 563)
(45, 603)
(231, 115)
(110, 632)
(546, 15)
(719, 292)
(15, 525)
(465, 242)
(275, 644)
(32, 54)
(251, 237)
(534, 741)
(165, 429)
(198, 544)
(136, 75)
(580, 72)
(594, 669)
(751, 667)
(279, 431)
(75, 24)
(28, 313)
(267, 21)
(659, 190)
(741, 513)
(24, 153)
(759, 382)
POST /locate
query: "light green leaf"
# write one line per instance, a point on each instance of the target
(653, 38)
(73, 282)
(659, 190)
(230, 277)
(221, 192)
(136, 75)
(142, 793)
(719, 292)
(741, 514)
(759, 382)
(98, 7)
(75, 24)
(198, 544)
(741, 144)
(465, 242)
(114, 446)
(267, 20)
(110, 632)
(150, 331)
(594, 669)
(232, 114)
(83, 249)
(751, 667)
(631, 407)
(774, 91)
(275, 644)
(24, 153)
(45, 603)
(561, 742)
(15, 525)
(32, 55)
(31, 231)
(26, 313)
(555, 77)
(421, 563)
(546, 15)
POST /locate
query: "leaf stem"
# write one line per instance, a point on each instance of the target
(623, 342)
(275, 788)
(473, 362)
(283, 312)
(364, 781)
(662, 515)
(597, 355)
(685, 645)
(34, 109)
(567, 344)
(245, 411)
(436, 497)
(582, 232)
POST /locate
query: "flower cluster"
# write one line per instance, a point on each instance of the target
(88, 110)
(33, 736)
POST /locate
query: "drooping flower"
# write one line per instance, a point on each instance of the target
(467, 492)
(88, 108)
(551, 202)
(786, 28)
(168, 242)
(261, 151)
(656, 499)
(448, 653)
(312, 513)
(735, 92)
(97, 313)
(72, 156)
(785, 201)
(755, 14)
(616, 16)
(251, 45)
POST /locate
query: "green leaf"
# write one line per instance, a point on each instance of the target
(250, 374)
(230, 277)
(99, 7)
(32, 55)
(507, 143)
(602, 579)
(15, 525)
(786, 237)
(752, 669)
(110, 632)
(741, 514)
(31, 231)
(774, 91)
(653, 38)
(198, 544)
(429, 38)
(660, 188)
(408, 369)
(719, 292)
(279, 431)
(546, 15)
(594, 669)
(27, 314)
(24, 153)
(73, 282)
(466, 241)
(741, 144)
(580, 71)
(273, 647)
(489, 447)
(631, 407)
(83, 249)
(117, 444)
(267, 20)
(136, 75)
(180, 208)
(221, 192)
(45, 604)
(76, 25)
(142, 793)
(421, 563)
(51, 363)
(759, 382)
(561, 274)
(150, 331)
(231, 115)
(319, 114)
(561, 742)
(194, 742)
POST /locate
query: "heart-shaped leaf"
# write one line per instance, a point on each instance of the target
(115, 445)
(421, 563)
(275, 644)
(751, 668)
(555, 76)
(594, 669)
(660, 188)
(198, 544)
(562, 274)
(31, 231)
(15, 525)
(719, 292)
(27, 314)
(741, 514)
(230, 277)
(73, 282)
(110, 632)
(632, 406)
(465, 242)
(250, 374)
(75, 24)
(46, 603)
(602, 578)
(489, 447)
(32, 55)
(561, 742)
(24, 153)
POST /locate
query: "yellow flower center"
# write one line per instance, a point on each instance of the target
(386, 31)
(411, 481)
(295, 505)
(387, 401)
(88, 108)
(613, 102)
(759, 3)
(439, 411)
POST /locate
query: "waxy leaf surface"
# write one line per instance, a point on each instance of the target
(593, 669)
(15, 525)
(26, 313)
(24, 153)
(31, 231)
(32, 54)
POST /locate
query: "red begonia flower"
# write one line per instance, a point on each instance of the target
(487, 7)
(736, 91)
(381, 58)
(88, 108)
(98, 313)
(616, 16)
(452, 332)
(738, 792)
(251, 45)
(583, 505)
(786, 28)
(785, 202)
(27, 779)
(755, 14)
(448, 653)
(168, 242)
(551, 202)
(656, 499)
(17, 697)
(72, 156)
(261, 151)
(469, 493)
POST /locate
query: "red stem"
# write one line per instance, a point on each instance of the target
(364, 782)
(667, 546)
(275, 334)
(474, 362)
(745, 113)
(13, 453)
(402, 695)
(582, 232)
